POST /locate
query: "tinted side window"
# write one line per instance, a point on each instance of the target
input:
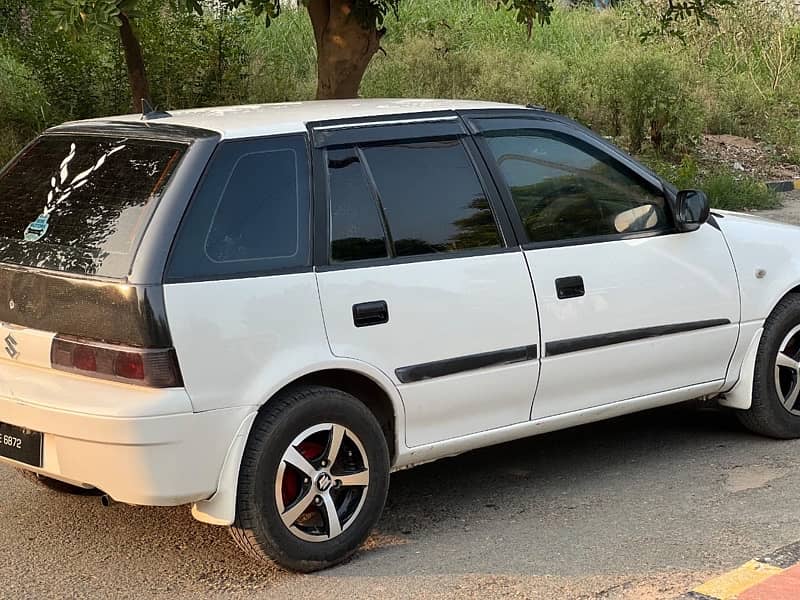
(432, 198)
(250, 214)
(565, 191)
(356, 227)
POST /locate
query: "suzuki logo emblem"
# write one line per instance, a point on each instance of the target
(11, 346)
(324, 482)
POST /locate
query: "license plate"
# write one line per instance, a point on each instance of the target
(20, 444)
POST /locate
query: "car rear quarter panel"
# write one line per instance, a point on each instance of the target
(240, 341)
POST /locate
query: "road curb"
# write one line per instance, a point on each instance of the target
(788, 185)
(775, 576)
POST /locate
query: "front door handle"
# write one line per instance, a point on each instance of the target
(366, 314)
(570, 287)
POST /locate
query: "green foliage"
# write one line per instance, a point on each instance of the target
(529, 12)
(649, 97)
(209, 54)
(23, 102)
(730, 192)
(725, 190)
(670, 18)
(78, 17)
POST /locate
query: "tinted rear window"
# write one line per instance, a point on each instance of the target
(250, 215)
(79, 204)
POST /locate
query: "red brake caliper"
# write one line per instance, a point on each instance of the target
(290, 488)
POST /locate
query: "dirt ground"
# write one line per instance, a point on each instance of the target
(747, 156)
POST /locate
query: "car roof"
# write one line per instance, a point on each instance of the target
(291, 117)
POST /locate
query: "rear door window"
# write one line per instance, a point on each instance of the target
(407, 199)
(357, 231)
(250, 215)
(79, 204)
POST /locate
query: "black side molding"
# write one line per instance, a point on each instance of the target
(471, 362)
(631, 335)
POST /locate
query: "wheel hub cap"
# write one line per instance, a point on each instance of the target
(324, 482)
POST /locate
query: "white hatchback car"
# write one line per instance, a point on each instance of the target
(263, 310)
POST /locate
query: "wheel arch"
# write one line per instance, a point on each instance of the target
(740, 396)
(792, 290)
(365, 389)
(373, 389)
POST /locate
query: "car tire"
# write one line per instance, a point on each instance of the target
(775, 409)
(58, 486)
(313, 451)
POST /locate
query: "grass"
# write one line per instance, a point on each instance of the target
(725, 189)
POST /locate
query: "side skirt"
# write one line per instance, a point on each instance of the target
(418, 455)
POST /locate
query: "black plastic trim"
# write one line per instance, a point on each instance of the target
(472, 362)
(102, 310)
(599, 239)
(150, 261)
(380, 128)
(499, 210)
(137, 129)
(631, 335)
(403, 260)
(369, 314)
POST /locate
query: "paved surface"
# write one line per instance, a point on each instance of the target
(646, 506)
(789, 212)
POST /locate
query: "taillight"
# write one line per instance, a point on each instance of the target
(140, 366)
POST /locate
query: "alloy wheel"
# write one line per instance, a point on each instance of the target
(322, 482)
(787, 371)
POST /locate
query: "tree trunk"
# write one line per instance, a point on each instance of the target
(345, 47)
(140, 87)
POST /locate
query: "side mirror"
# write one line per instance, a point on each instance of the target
(692, 210)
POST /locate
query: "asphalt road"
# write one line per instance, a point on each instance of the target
(644, 506)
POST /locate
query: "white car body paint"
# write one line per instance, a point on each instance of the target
(424, 454)
(634, 284)
(146, 446)
(470, 306)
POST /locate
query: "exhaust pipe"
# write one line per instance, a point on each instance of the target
(107, 500)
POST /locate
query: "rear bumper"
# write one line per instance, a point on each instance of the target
(165, 459)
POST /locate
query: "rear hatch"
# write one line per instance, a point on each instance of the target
(74, 208)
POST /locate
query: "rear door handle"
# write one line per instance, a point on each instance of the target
(366, 314)
(570, 287)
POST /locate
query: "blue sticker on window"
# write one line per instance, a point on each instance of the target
(36, 230)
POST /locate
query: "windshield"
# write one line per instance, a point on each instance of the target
(79, 204)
